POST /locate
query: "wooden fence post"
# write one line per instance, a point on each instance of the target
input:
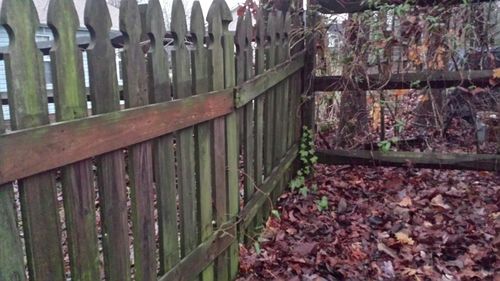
(308, 106)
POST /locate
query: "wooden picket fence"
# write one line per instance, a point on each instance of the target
(167, 188)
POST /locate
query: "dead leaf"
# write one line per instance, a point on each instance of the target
(406, 202)
(404, 238)
(304, 249)
(496, 73)
(437, 201)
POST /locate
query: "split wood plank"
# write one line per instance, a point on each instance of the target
(28, 108)
(163, 147)
(140, 158)
(203, 135)
(110, 167)
(449, 161)
(77, 180)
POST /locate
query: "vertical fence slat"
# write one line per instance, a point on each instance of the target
(28, 108)
(244, 72)
(140, 163)
(164, 150)
(182, 89)
(232, 142)
(278, 99)
(110, 167)
(216, 54)
(77, 179)
(203, 133)
(259, 107)
(12, 254)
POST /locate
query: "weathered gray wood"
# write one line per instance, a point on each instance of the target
(279, 95)
(449, 161)
(203, 134)
(259, 108)
(110, 167)
(214, 18)
(182, 85)
(267, 187)
(140, 159)
(12, 254)
(28, 108)
(308, 106)
(77, 179)
(190, 266)
(233, 189)
(269, 107)
(164, 150)
(415, 80)
(68, 142)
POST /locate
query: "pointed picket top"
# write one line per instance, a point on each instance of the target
(15, 12)
(130, 21)
(271, 29)
(197, 26)
(178, 24)
(97, 20)
(240, 36)
(260, 29)
(287, 27)
(61, 13)
(215, 23)
(226, 15)
(279, 28)
(249, 29)
(155, 25)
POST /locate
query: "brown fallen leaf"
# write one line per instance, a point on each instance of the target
(405, 202)
(437, 201)
(404, 238)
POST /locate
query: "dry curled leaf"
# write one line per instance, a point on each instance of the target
(404, 238)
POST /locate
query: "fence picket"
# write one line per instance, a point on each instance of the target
(110, 167)
(140, 162)
(28, 108)
(203, 133)
(77, 180)
(214, 18)
(164, 149)
(259, 107)
(232, 135)
(244, 72)
(185, 146)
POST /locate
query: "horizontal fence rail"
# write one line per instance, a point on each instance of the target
(416, 80)
(165, 173)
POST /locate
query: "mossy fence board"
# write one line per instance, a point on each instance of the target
(154, 189)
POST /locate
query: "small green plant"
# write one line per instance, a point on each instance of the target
(308, 158)
(322, 204)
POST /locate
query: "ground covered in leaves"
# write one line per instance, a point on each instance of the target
(367, 223)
